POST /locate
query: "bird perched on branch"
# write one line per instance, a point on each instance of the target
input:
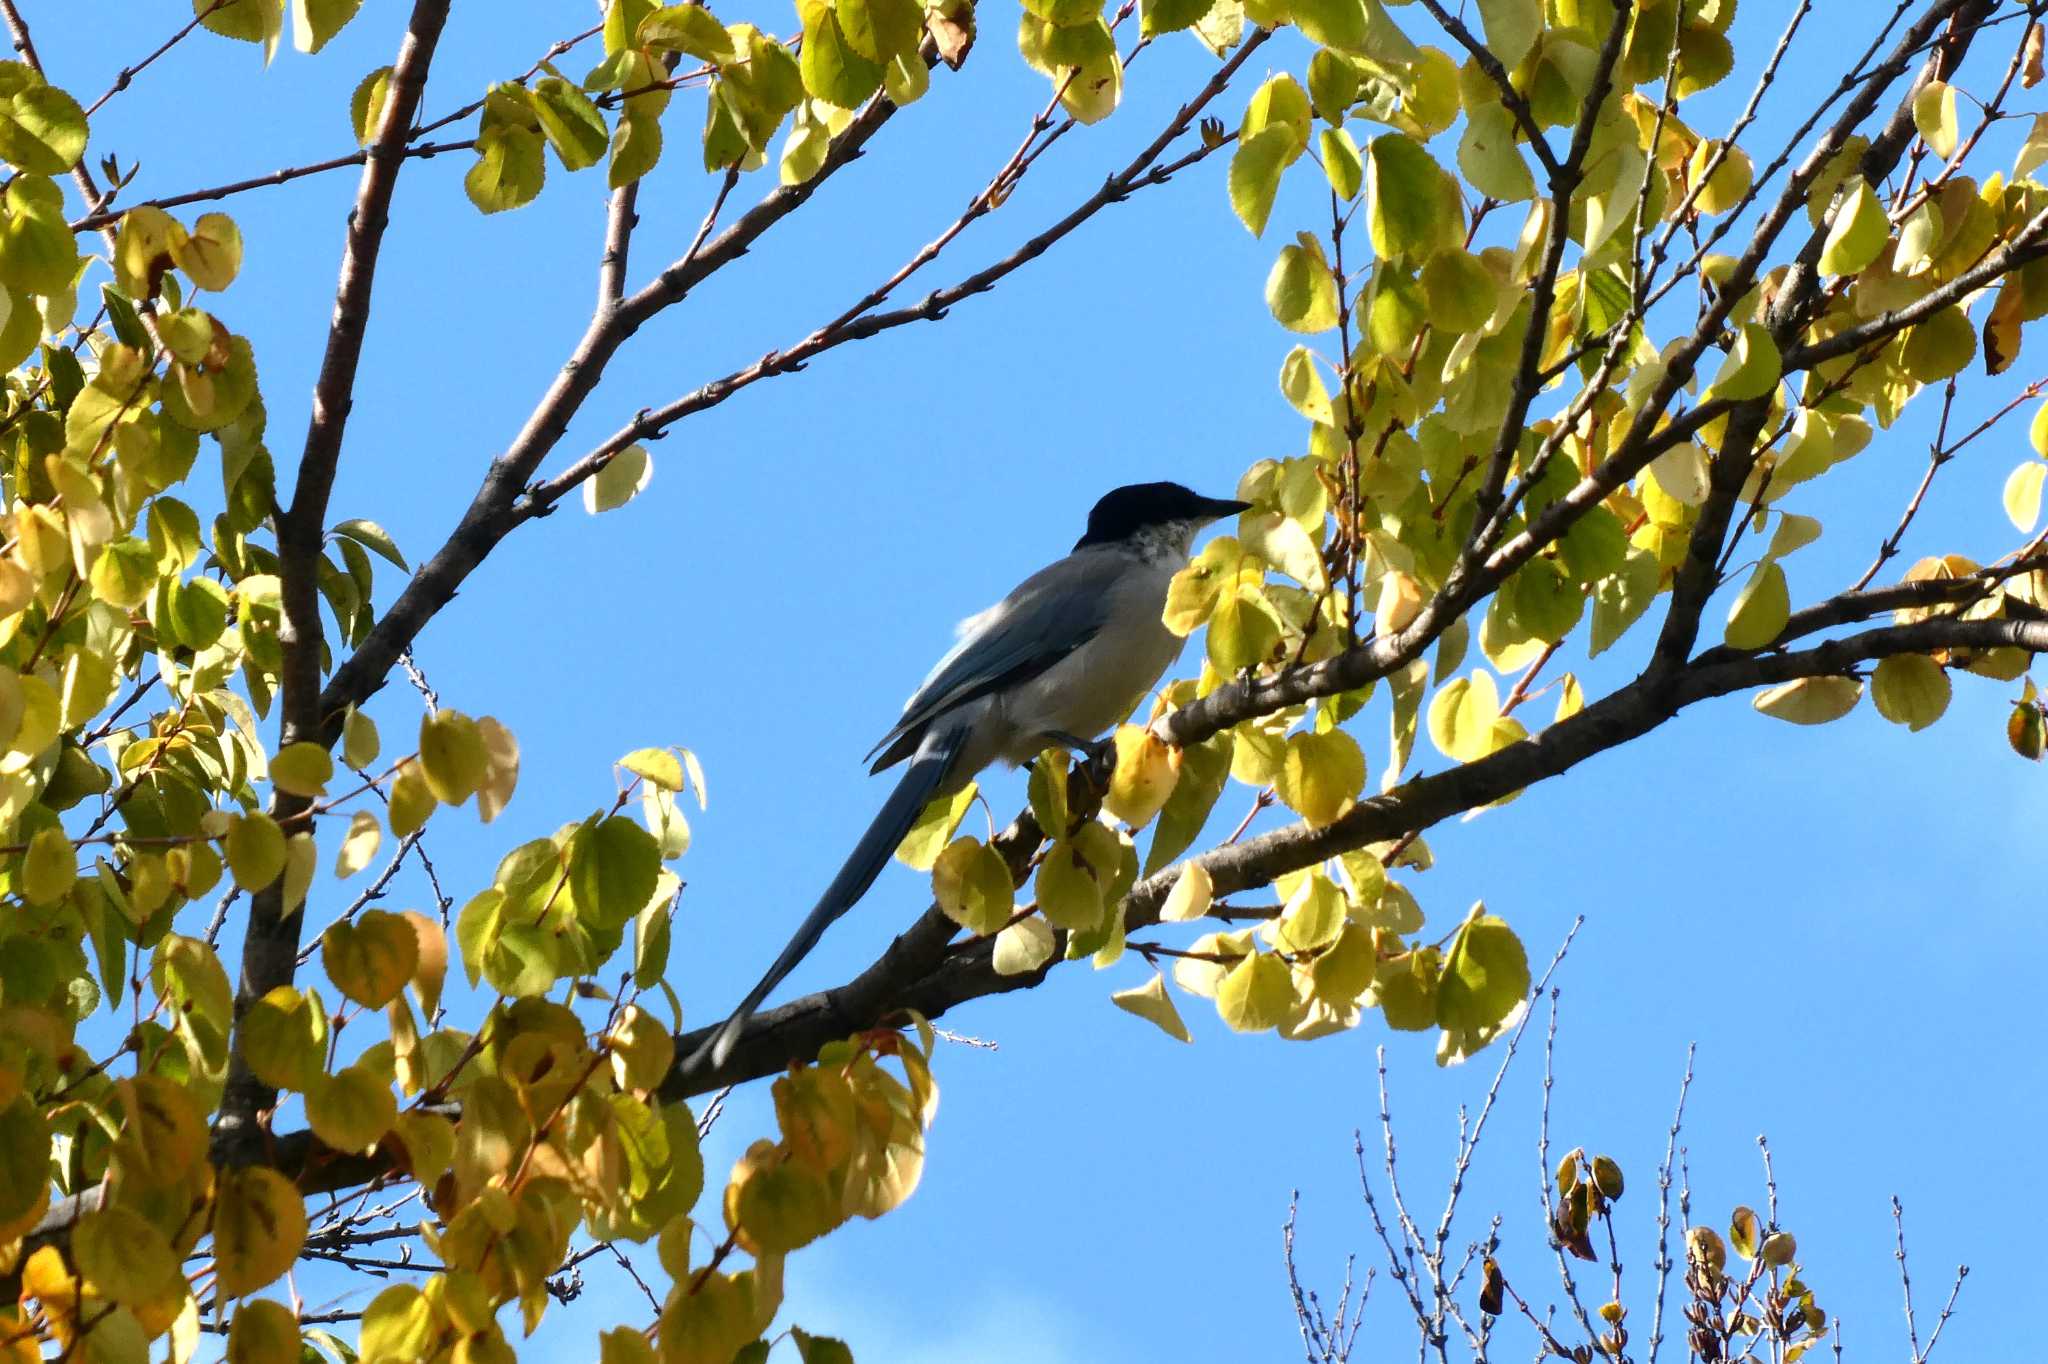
(1064, 657)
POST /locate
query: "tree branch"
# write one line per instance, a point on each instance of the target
(857, 323)
(270, 949)
(792, 1033)
(491, 513)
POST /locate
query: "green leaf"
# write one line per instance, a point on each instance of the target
(49, 867)
(1489, 157)
(636, 148)
(509, 168)
(833, 69)
(1485, 975)
(1170, 16)
(571, 123)
(1320, 775)
(1301, 290)
(1255, 169)
(1069, 894)
(1341, 162)
(622, 478)
(42, 130)
(613, 867)
(374, 538)
(690, 29)
(1410, 214)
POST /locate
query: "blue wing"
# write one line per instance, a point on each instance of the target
(1049, 615)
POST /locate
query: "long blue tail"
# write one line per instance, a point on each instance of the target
(928, 770)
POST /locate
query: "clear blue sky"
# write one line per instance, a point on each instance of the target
(1847, 921)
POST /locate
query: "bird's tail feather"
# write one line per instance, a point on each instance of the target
(928, 770)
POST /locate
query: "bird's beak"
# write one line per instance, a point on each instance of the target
(1216, 508)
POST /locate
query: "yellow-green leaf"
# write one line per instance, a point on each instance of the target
(1320, 775)
(624, 476)
(255, 851)
(1256, 994)
(352, 1109)
(2023, 494)
(971, 883)
(1811, 700)
(1485, 975)
(259, 1226)
(1911, 690)
(302, 769)
(1858, 232)
(1934, 114)
(371, 959)
(1761, 609)
(1151, 1003)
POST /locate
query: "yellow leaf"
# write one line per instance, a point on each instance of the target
(359, 743)
(351, 1109)
(1190, 897)
(1151, 1003)
(255, 851)
(263, 1331)
(302, 769)
(358, 845)
(1023, 947)
(1752, 367)
(1146, 769)
(1461, 716)
(1811, 700)
(1320, 775)
(430, 968)
(501, 769)
(657, 765)
(123, 1256)
(411, 800)
(1760, 610)
(1069, 895)
(1485, 975)
(283, 1038)
(928, 837)
(453, 757)
(971, 883)
(1858, 232)
(2023, 493)
(371, 959)
(1257, 994)
(259, 1226)
(622, 478)
(49, 867)
(1911, 690)
(1934, 114)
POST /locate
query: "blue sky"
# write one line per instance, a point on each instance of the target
(1846, 920)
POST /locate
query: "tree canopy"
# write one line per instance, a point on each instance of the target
(1572, 374)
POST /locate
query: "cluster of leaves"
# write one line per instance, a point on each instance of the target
(1417, 360)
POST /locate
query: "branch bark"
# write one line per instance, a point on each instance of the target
(270, 948)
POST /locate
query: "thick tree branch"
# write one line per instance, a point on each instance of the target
(792, 1033)
(270, 948)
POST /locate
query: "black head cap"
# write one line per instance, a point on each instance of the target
(1125, 511)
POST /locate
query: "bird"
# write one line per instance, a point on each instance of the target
(1065, 656)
